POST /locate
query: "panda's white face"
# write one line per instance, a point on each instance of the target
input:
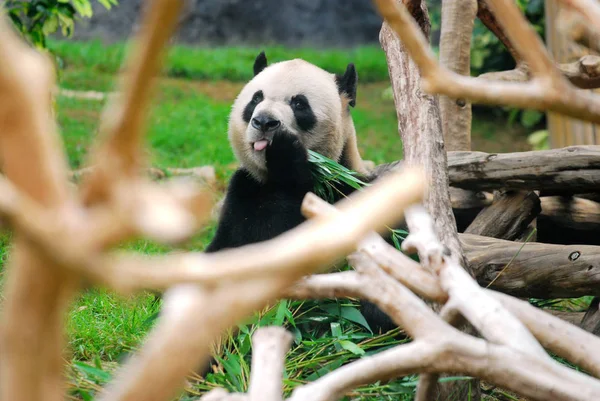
(293, 95)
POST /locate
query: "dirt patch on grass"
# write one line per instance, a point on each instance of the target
(220, 91)
(81, 114)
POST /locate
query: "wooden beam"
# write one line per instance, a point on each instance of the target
(573, 169)
(534, 270)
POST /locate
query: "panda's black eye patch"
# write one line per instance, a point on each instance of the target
(305, 118)
(249, 109)
(299, 102)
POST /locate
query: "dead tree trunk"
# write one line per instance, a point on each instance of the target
(420, 126)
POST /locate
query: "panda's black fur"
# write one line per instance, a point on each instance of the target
(258, 210)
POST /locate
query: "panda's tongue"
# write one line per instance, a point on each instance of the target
(260, 145)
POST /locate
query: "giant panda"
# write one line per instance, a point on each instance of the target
(285, 109)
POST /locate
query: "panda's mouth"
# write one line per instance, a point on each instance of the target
(260, 145)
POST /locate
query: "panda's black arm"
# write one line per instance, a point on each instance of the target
(241, 190)
(287, 163)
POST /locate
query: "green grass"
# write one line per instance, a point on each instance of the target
(230, 63)
(103, 325)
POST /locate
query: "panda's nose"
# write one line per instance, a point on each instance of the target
(265, 123)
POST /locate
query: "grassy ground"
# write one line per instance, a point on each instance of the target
(188, 127)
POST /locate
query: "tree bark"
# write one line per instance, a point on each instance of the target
(572, 169)
(508, 217)
(458, 17)
(420, 126)
(535, 270)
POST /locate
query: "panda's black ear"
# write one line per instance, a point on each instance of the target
(260, 63)
(347, 83)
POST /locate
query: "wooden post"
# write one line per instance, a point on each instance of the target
(566, 131)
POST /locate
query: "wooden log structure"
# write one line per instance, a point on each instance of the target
(573, 169)
(508, 216)
(533, 270)
(569, 220)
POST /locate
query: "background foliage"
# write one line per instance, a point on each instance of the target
(37, 19)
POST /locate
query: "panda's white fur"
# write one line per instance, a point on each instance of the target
(333, 133)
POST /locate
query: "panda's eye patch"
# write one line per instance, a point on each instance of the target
(249, 109)
(305, 118)
(299, 102)
(258, 97)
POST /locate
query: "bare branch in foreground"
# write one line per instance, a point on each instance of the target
(588, 9)
(485, 313)
(447, 350)
(583, 73)
(394, 263)
(35, 293)
(549, 90)
(350, 284)
(573, 24)
(120, 152)
(305, 249)
(564, 339)
(269, 346)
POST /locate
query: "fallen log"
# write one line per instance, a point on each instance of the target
(534, 270)
(573, 169)
(508, 216)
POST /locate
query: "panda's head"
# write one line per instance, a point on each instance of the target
(301, 98)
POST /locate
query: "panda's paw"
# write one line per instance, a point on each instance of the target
(284, 151)
(287, 159)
